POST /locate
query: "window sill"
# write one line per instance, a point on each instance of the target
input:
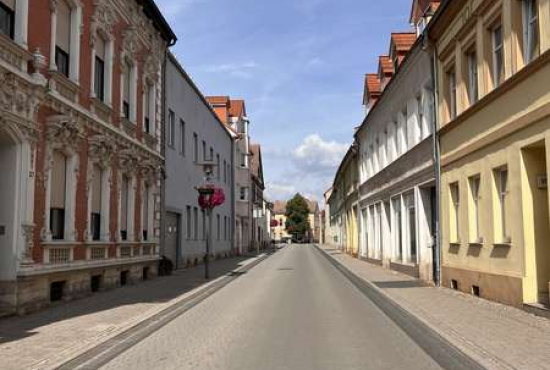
(478, 244)
(128, 126)
(63, 85)
(101, 109)
(507, 244)
(456, 243)
(149, 140)
(13, 53)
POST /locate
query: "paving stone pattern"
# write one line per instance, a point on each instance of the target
(46, 339)
(497, 336)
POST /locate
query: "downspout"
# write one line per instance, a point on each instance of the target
(234, 198)
(162, 237)
(437, 167)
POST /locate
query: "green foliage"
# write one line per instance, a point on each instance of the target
(297, 214)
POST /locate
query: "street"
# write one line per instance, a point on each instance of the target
(293, 311)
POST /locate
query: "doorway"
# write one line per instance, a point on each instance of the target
(538, 233)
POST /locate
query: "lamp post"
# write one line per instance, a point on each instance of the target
(209, 198)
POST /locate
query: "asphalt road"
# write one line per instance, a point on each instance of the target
(295, 311)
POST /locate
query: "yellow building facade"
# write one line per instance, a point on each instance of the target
(493, 73)
(343, 203)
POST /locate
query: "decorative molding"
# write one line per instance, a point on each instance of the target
(103, 19)
(64, 131)
(102, 149)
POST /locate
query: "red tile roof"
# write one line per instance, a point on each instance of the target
(403, 41)
(373, 88)
(385, 65)
(215, 100)
(237, 108)
(420, 7)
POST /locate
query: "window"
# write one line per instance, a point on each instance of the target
(126, 90)
(63, 37)
(225, 227)
(95, 216)
(170, 129)
(211, 158)
(182, 137)
(99, 82)
(501, 177)
(195, 147)
(147, 108)
(189, 224)
(99, 69)
(398, 219)
(530, 30)
(195, 223)
(411, 218)
(420, 110)
(498, 56)
(474, 209)
(204, 151)
(218, 167)
(124, 198)
(57, 195)
(145, 218)
(455, 213)
(7, 17)
(224, 171)
(473, 91)
(218, 227)
(451, 77)
(243, 193)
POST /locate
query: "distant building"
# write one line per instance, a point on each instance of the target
(280, 232)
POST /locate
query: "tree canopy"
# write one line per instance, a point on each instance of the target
(297, 216)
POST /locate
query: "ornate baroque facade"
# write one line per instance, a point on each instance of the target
(80, 147)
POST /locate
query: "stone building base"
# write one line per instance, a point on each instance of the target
(498, 288)
(33, 293)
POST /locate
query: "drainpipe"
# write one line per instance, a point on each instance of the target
(437, 165)
(233, 197)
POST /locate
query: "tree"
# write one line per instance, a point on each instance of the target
(297, 217)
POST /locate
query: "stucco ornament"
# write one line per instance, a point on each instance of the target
(103, 19)
(16, 98)
(102, 148)
(128, 160)
(65, 131)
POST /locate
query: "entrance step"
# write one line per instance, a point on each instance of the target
(540, 309)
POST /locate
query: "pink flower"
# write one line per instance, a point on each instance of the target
(213, 200)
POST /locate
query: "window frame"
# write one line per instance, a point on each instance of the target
(10, 15)
(531, 29)
(454, 197)
(99, 78)
(497, 51)
(474, 183)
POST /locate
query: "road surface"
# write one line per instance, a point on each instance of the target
(294, 311)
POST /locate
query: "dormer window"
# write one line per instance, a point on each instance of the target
(7, 17)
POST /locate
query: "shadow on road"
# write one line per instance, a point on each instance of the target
(158, 290)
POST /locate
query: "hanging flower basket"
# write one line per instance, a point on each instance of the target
(212, 198)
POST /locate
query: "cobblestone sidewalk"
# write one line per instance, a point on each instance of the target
(497, 336)
(44, 340)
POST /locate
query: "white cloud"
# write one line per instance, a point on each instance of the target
(276, 191)
(317, 156)
(239, 70)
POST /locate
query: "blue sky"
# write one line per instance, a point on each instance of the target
(299, 64)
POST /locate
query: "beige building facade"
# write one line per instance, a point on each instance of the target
(493, 69)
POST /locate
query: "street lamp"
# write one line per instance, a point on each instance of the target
(209, 198)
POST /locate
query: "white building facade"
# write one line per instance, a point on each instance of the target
(396, 171)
